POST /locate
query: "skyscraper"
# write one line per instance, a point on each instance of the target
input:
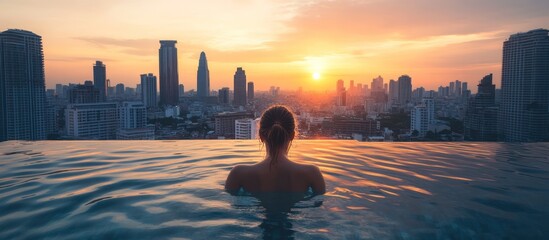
(148, 90)
(86, 93)
(250, 91)
(240, 87)
(169, 76)
(377, 84)
(524, 109)
(181, 90)
(120, 90)
(422, 117)
(223, 95)
(203, 77)
(393, 90)
(458, 88)
(22, 86)
(452, 86)
(404, 89)
(341, 93)
(480, 123)
(100, 79)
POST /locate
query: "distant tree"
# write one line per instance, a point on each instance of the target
(445, 132)
(456, 125)
(415, 133)
(430, 135)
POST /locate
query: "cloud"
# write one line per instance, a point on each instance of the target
(138, 47)
(77, 59)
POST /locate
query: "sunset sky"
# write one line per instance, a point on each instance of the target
(278, 43)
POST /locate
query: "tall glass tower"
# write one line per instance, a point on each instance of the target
(22, 86)
(524, 109)
(239, 87)
(404, 89)
(203, 77)
(148, 90)
(100, 79)
(169, 76)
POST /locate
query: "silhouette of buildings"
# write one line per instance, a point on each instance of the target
(250, 91)
(341, 93)
(22, 86)
(480, 123)
(524, 110)
(100, 79)
(349, 125)
(393, 91)
(224, 96)
(169, 76)
(148, 90)
(203, 77)
(404, 90)
(181, 90)
(225, 123)
(377, 84)
(239, 87)
(120, 90)
(86, 93)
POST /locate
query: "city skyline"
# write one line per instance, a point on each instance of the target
(334, 39)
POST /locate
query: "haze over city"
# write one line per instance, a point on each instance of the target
(282, 42)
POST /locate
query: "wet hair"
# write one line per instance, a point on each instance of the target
(277, 127)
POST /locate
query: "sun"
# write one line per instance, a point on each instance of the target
(316, 75)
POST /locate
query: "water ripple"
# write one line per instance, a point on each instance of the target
(174, 189)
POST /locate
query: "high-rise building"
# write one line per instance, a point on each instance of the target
(223, 95)
(132, 115)
(340, 86)
(404, 89)
(452, 88)
(458, 88)
(59, 90)
(240, 87)
(203, 77)
(393, 90)
(100, 79)
(120, 90)
(480, 123)
(341, 93)
(422, 117)
(246, 128)
(377, 84)
(169, 76)
(250, 91)
(22, 86)
(181, 90)
(225, 122)
(148, 92)
(417, 94)
(92, 121)
(524, 108)
(86, 93)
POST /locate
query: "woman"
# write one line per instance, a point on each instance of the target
(276, 173)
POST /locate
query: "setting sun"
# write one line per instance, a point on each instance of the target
(316, 76)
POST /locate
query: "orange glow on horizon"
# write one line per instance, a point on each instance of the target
(288, 42)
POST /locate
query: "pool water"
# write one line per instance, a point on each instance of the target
(174, 190)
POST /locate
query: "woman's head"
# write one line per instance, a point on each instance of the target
(277, 129)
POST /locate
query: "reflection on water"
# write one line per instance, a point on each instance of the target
(174, 190)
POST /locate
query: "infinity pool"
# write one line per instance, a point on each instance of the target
(174, 190)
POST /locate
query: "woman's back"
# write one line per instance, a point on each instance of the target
(276, 173)
(285, 176)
